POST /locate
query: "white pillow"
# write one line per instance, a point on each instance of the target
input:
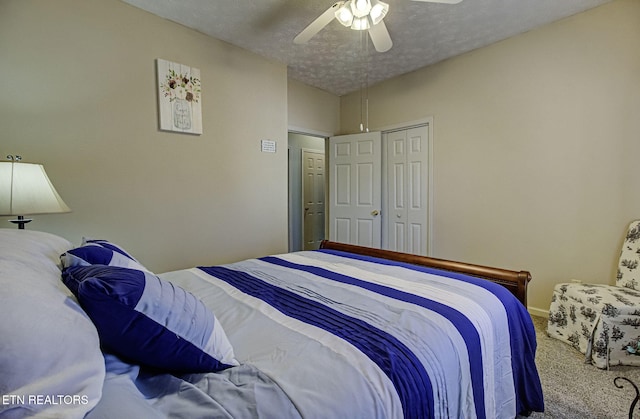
(50, 359)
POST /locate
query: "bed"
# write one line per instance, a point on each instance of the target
(341, 332)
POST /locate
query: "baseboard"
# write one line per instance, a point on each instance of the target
(538, 312)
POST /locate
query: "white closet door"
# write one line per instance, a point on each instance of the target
(407, 183)
(355, 163)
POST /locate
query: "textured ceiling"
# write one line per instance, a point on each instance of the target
(338, 59)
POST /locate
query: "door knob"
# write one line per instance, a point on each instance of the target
(375, 212)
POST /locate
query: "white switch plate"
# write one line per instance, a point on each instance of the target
(268, 146)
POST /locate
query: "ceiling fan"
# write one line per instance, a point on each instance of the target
(358, 15)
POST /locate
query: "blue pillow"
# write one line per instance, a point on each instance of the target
(150, 321)
(100, 252)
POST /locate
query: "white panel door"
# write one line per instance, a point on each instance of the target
(407, 183)
(313, 198)
(355, 163)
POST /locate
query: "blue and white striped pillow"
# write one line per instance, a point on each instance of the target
(147, 320)
(100, 252)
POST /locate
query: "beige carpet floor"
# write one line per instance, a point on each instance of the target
(574, 389)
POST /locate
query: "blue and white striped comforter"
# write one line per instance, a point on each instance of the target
(348, 336)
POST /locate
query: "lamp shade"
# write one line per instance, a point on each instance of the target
(25, 188)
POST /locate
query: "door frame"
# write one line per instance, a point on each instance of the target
(292, 225)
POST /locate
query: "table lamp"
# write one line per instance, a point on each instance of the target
(25, 189)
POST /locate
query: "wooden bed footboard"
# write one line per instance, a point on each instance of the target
(514, 281)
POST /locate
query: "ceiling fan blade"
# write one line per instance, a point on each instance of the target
(317, 25)
(380, 37)
(440, 1)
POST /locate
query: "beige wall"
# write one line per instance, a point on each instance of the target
(79, 95)
(311, 110)
(536, 141)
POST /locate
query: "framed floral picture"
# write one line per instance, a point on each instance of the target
(179, 97)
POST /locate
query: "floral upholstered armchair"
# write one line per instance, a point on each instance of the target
(603, 321)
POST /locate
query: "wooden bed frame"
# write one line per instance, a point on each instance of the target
(514, 281)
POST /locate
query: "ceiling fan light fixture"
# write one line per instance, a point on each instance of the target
(378, 11)
(360, 15)
(344, 15)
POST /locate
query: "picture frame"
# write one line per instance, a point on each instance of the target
(179, 97)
